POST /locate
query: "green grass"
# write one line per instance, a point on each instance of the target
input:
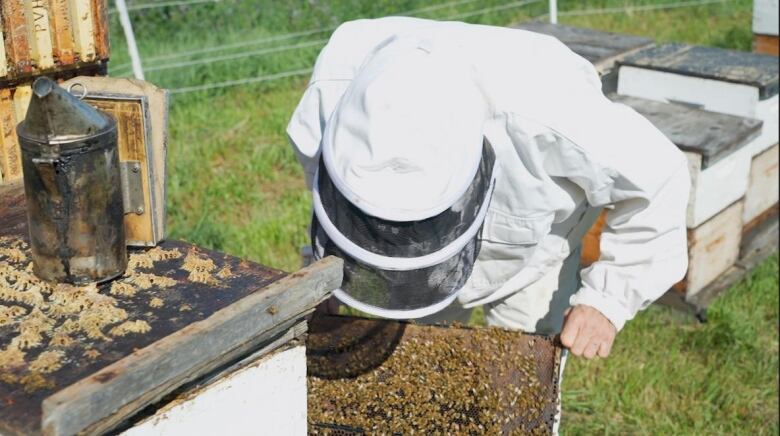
(234, 185)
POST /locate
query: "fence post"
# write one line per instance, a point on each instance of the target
(132, 48)
(554, 11)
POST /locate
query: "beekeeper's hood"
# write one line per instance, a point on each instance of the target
(405, 180)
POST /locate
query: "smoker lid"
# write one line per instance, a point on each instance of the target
(56, 116)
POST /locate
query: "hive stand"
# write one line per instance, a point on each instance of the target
(210, 321)
(602, 49)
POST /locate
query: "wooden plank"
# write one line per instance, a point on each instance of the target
(10, 154)
(713, 248)
(712, 135)
(762, 193)
(759, 235)
(62, 32)
(766, 44)
(17, 45)
(83, 23)
(3, 61)
(750, 69)
(100, 12)
(39, 29)
(141, 110)
(174, 297)
(147, 420)
(88, 401)
(272, 391)
(21, 96)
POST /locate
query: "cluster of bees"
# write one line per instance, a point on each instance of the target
(42, 323)
(478, 382)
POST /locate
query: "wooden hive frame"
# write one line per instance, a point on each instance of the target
(51, 36)
(141, 110)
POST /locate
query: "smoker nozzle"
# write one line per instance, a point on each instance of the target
(55, 114)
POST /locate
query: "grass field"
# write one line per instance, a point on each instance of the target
(234, 185)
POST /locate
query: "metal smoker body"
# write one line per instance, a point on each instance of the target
(72, 182)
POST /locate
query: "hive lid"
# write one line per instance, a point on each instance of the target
(752, 69)
(598, 47)
(54, 115)
(713, 135)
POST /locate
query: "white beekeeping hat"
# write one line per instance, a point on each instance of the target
(405, 140)
(405, 181)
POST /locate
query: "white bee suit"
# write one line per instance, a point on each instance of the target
(564, 152)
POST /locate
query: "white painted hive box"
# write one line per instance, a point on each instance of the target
(716, 146)
(727, 81)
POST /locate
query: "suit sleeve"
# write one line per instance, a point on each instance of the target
(633, 170)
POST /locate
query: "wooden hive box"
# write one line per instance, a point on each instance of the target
(602, 49)
(718, 80)
(717, 148)
(88, 359)
(715, 145)
(726, 81)
(51, 36)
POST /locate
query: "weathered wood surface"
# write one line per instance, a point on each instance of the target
(752, 69)
(197, 325)
(45, 36)
(763, 191)
(712, 135)
(766, 44)
(141, 111)
(178, 404)
(601, 48)
(713, 248)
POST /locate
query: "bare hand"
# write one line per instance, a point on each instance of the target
(587, 332)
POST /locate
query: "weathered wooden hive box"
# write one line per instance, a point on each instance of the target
(59, 38)
(602, 49)
(765, 27)
(369, 376)
(724, 81)
(187, 341)
(706, 138)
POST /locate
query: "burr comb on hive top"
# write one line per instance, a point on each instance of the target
(73, 187)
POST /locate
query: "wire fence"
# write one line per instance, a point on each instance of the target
(219, 53)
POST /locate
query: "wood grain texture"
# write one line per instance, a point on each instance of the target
(713, 135)
(224, 332)
(766, 44)
(82, 20)
(39, 33)
(763, 192)
(100, 14)
(62, 32)
(176, 357)
(3, 60)
(142, 111)
(752, 69)
(17, 44)
(10, 154)
(713, 248)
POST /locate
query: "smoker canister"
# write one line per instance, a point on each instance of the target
(73, 188)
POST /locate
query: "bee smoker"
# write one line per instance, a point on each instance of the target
(72, 182)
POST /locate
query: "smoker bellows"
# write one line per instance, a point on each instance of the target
(73, 187)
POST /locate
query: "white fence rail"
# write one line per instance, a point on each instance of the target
(216, 53)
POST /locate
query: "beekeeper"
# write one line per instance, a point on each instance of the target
(456, 165)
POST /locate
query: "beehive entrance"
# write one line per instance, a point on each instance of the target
(378, 376)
